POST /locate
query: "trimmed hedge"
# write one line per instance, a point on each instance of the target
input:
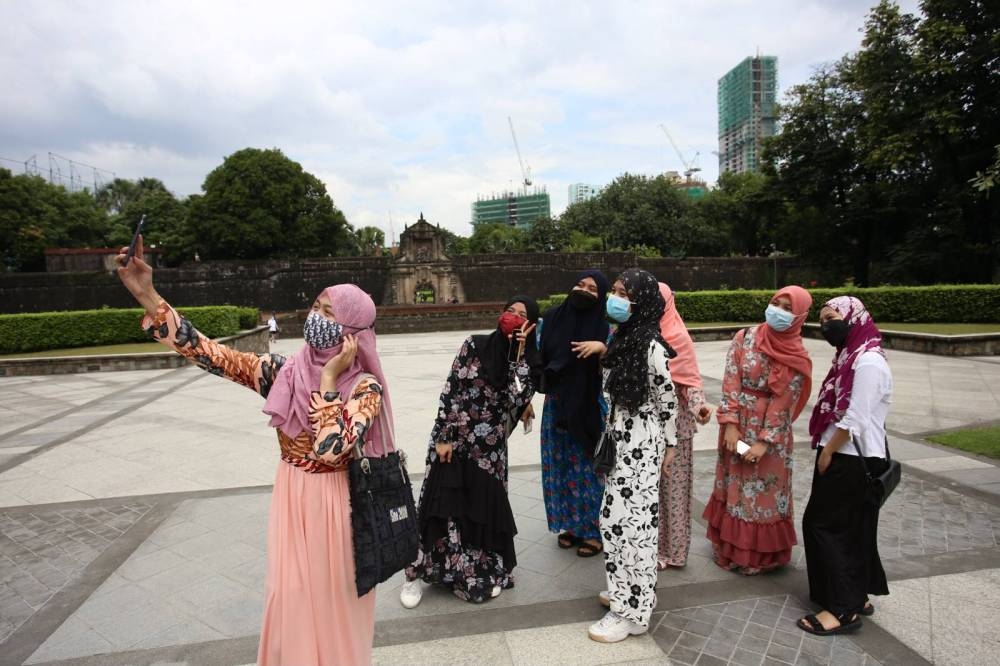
(82, 328)
(249, 318)
(959, 304)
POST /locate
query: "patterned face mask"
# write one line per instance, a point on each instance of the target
(321, 333)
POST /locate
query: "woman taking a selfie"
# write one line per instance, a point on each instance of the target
(466, 523)
(572, 336)
(765, 387)
(322, 400)
(839, 527)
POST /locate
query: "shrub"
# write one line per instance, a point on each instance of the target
(958, 304)
(82, 328)
(249, 318)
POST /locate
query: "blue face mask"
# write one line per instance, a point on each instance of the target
(618, 308)
(777, 318)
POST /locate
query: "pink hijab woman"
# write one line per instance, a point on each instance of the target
(328, 397)
(288, 401)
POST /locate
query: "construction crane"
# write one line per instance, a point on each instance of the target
(689, 167)
(525, 170)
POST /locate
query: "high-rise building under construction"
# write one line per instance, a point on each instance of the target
(518, 209)
(747, 96)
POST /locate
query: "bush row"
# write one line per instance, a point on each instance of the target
(942, 303)
(83, 328)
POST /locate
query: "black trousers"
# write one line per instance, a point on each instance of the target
(840, 531)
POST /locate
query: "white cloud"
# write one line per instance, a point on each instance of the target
(398, 107)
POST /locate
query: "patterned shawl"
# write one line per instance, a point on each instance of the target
(628, 354)
(835, 391)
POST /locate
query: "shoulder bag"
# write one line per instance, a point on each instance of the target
(878, 488)
(606, 452)
(383, 516)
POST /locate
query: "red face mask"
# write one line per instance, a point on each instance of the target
(510, 322)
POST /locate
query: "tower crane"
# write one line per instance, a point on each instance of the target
(525, 170)
(689, 166)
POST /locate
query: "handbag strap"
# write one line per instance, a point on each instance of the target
(854, 440)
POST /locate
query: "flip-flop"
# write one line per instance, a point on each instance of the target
(867, 610)
(811, 625)
(568, 540)
(588, 550)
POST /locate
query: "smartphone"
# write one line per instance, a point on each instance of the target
(135, 240)
(527, 425)
(742, 447)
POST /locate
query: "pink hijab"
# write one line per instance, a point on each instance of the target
(683, 368)
(288, 401)
(785, 349)
(835, 391)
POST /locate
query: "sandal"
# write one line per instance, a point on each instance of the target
(867, 610)
(568, 540)
(811, 625)
(589, 549)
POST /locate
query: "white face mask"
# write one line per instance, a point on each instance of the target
(777, 318)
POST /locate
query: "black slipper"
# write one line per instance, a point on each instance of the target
(811, 625)
(568, 540)
(588, 550)
(867, 610)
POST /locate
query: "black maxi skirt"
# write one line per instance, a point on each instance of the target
(840, 531)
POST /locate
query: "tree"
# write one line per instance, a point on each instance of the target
(35, 215)
(260, 204)
(370, 240)
(496, 239)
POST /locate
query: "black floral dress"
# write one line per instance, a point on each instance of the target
(466, 523)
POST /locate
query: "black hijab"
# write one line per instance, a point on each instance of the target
(493, 349)
(627, 357)
(576, 382)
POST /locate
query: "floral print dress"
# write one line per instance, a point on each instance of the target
(467, 526)
(629, 518)
(750, 515)
(676, 483)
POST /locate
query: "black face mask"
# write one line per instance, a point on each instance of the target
(835, 331)
(582, 300)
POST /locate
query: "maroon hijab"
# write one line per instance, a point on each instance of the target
(835, 391)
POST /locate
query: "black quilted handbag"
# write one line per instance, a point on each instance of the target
(606, 451)
(383, 517)
(879, 487)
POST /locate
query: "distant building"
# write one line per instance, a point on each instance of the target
(695, 188)
(579, 192)
(518, 209)
(746, 96)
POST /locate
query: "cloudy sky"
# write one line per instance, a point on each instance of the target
(399, 107)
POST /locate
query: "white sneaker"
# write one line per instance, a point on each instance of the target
(496, 592)
(410, 593)
(613, 628)
(604, 598)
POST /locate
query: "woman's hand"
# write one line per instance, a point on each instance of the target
(444, 452)
(528, 414)
(668, 458)
(731, 436)
(703, 415)
(588, 348)
(520, 335)
(138, 278)
(824, 461)
(756, 452)
(342, 361)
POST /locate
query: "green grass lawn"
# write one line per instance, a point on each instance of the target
(984, 441)
(104, 350)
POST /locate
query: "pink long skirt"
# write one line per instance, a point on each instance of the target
(312, 613)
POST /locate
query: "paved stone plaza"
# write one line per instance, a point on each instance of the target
(133, 511)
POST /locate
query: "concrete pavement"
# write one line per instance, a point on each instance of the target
(133, 515)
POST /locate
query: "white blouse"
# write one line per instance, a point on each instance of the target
(869, 405)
